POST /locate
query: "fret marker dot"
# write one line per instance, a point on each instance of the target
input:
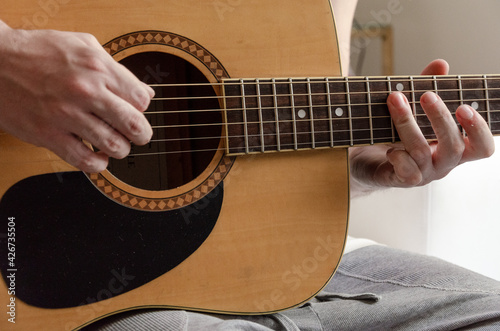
(339, 112)
(302, 113)
(400, 87)
(474, 105)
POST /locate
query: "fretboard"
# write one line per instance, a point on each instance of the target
(264, 115)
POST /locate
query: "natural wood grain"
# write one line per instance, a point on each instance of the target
(280, 212)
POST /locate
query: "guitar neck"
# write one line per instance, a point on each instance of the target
(265, 115)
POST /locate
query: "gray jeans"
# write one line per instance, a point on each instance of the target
(375, 288)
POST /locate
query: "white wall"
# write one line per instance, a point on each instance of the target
(457, 218)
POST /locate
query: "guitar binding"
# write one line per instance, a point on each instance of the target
(178, 197)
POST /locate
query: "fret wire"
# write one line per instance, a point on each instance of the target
(225, 118)
(369, 100)
(316, 106)
(276, 114)
(292, 103)
(287, 121)
(441, 78)
(284, 80)
(382, 139)
(256, 135)
(245, 107)
(357, 104)
(314, 94)
(330, 111)
(392, 122)
(304, 133)
(245, 127)
(259, 103)
(460, 91)
(320, 94)
(311, 115)
(434, 78)
(265, 122)
(414, 103)
(487, 98)
(349, 109)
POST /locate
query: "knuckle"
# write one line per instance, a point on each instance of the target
(80, 86)
(112, 145)
(86, 163)
(58, 110)
(141, 98)
(87, 38)
(490, 150)
(403, 122)
(82, 159)
(134, 124)
(458, 149)
(421, 155)
(94, 62)
(137, 128)
(115, 148)
(487, 151)
(414, 180)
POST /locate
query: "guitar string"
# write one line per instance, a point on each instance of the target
(342, 80)
(308, 120)
(256, 149)
(284, 134)
(356, 130)
(322, 94)
(273, 107)
(267, 135)
(291, 121)
(303, 120)
(288, 107)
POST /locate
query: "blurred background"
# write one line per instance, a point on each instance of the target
(457, 218)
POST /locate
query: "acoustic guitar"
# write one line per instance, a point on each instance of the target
(240, 202)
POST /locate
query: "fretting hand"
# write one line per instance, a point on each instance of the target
(57, 88)
(414, 161)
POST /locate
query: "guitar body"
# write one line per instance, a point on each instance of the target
(246, 235)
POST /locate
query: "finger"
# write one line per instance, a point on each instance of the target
(410, 134)
(103, 137)
(405, 168)
(121, 81)
(450, 144)
(76, 153)
(479, 142)
(437, 67)
(128, 87)
(124, 118)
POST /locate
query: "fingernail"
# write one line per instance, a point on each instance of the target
(466, 112)
(150, 90)
(398, 100)
(429, 98)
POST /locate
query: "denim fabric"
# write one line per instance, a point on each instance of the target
(375, 288)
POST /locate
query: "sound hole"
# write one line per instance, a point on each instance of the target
(186, 122)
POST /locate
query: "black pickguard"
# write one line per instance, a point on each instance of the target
(74, 246)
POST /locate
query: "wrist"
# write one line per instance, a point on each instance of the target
(10, 46)
(363, 164)
(4, 41)
(4, 27)
(359, 188)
